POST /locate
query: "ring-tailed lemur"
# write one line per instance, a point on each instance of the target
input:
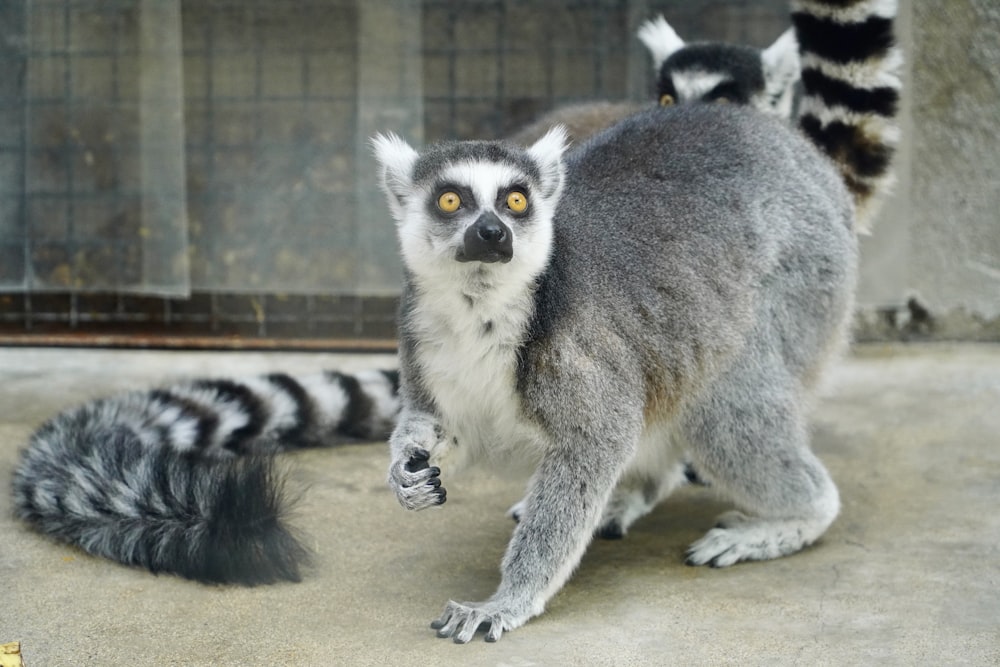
(719, 72)
(696, 72)
(673, 288)
(181, 479)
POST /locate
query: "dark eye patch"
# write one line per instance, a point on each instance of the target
(464, 193)
(666, 84)
(503, 193)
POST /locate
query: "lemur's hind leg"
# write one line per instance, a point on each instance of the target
(748, 437)
(655, 472)
(633, 498)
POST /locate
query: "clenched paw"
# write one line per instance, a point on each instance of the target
(417, 484)
(461, 621)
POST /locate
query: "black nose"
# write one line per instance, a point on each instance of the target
(491, 229)
(487, 240)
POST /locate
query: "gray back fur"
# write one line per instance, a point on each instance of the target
(683, 230)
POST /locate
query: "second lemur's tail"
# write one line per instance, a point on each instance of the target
(182, 479)
(851, 82)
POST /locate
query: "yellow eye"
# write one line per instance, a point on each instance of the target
(666, 100)
(722, 100)
(517, 202)
(449, 202)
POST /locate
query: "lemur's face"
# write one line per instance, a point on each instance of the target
(719, 72)
(726, 73)
(472, 209)
(473, 203)
(711, 73)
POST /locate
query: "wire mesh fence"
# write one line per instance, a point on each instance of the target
(202, 167)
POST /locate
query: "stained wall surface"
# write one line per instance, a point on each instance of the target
(264, 184)
(939, 237)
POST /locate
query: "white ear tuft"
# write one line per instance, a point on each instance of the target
(547, 152)
(781, 62)
(660, 39)
(396, 159)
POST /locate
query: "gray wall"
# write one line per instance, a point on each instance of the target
(937, 241)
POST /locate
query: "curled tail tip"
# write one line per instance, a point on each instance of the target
(246, 537)
(851, 75)
(235, 529)
(221, 521)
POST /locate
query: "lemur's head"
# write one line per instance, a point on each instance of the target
(719, 72)
(474, 203)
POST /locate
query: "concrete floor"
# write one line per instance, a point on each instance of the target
(908, 575)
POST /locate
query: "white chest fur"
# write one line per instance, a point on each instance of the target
(467, 342)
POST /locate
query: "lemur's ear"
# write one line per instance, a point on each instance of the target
(660, 39)
(547, 153)
(781, 64)
(396, 159)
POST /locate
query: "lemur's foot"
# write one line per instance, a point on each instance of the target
(461, 620)
(417, 484)
(738, 537)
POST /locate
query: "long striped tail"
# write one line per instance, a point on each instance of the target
(851, 80)
(182, 479)
(215, 521)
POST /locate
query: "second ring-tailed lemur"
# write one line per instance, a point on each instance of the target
(672, 289)
(695, 72)
(719, 72)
